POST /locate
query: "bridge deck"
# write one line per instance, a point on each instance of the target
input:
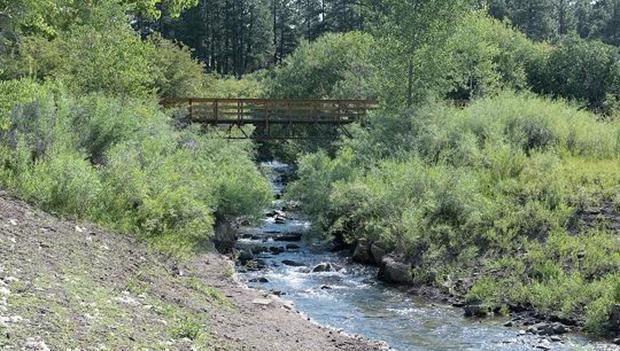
(261, 111)
(267, 113)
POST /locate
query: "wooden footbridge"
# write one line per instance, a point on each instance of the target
(273, 118)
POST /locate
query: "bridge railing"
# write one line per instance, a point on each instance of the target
(272, 111)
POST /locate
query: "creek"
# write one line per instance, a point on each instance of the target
(350, 297)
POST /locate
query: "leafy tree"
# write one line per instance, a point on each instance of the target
(29, 16)
(583, 70)
(480, 57)
(410, 24)
(177, 74)
(333, 66)
(153, 8)
(551, 19)
(115, 60)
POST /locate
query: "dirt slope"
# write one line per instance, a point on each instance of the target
(74, 286)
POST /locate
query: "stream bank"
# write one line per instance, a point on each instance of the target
(335, 291)
(72, 285)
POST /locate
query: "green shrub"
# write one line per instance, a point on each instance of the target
(64, 183)
(250, 86)
(122, 163)
(487, 191)
(319, 173)
(14, 92)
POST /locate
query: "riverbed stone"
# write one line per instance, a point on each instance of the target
(292, 263)
(288, 237)
(276, 213)
(276, 250)
(362, 252)
(377, 252)
(547, 329)
(259, 250)
(292, 247)
(394, 271)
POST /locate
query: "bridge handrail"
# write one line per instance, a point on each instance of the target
(176, 101)
(267, 112)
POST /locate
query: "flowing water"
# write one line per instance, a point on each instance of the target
(352, 299)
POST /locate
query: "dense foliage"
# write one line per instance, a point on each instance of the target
(550, 19)
(336, 66)
(491, 191)
(82, 133)
(586, 71)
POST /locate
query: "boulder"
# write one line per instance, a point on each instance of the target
(224, 237)
(377, 252)
(323, 267)
(259, 280)
(362, 252)
(393, 271)
(276, 250)
(262, 302)
(259, 250)
(614, 319)
(276, 213)
(288, 237)
(476, 310)
(547, 329)
(255, 265)
(245, 256)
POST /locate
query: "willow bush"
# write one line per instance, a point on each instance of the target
(489, 191)
(122, 163)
